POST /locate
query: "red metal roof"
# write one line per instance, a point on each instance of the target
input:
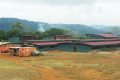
(102, 43)
(107, 35)
(46, 43)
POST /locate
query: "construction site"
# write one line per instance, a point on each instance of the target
(61, 59)
(59, 39)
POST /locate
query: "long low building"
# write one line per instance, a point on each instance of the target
(96, 41)
(77, 45)
(102, 36)
(102, 43)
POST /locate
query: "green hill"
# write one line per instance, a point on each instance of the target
(6, 24)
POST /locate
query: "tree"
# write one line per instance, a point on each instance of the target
(56, 31)
(17, 25)
(74, 34)
(16, 31)
(2, 35)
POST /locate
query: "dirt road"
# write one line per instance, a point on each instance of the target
(46, 73)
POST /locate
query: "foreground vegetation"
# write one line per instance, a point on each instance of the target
(57, 65)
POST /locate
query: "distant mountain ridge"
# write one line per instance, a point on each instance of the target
(6, 23)
(105, 28)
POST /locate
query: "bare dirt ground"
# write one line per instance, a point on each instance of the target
(59, 65)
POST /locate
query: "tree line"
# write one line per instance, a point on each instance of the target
(18, 30)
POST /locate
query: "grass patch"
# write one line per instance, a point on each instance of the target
(49, 63)
(12, 71)
(74, 66)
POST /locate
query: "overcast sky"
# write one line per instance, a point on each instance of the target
(102, 12)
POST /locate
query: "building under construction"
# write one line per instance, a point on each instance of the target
(108, 41)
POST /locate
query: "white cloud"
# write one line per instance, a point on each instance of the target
(63, 11)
